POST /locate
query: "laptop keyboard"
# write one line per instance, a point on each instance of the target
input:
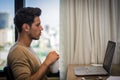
(89, 70)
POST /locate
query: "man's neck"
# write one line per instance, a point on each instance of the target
(24, 40)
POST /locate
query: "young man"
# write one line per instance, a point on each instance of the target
(22, 60)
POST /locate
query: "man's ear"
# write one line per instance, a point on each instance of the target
(26, 27)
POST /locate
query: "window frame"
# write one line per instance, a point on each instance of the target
(18, 4)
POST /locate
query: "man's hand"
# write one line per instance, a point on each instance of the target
(51, 58)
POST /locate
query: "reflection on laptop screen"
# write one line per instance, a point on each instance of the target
(109, 55)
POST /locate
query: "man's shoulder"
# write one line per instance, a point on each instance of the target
(16, 47)
(16, 50)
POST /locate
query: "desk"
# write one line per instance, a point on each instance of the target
(70, 74)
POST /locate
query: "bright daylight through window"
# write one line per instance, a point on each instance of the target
(6, 29)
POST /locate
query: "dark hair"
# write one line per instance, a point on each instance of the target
(25, 15)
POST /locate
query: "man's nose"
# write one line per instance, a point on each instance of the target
(41, 28)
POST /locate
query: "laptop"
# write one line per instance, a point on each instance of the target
(105, 69)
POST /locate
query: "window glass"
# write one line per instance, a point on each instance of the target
(6, 29)
(49, 39)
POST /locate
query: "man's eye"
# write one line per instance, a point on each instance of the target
(38, 25)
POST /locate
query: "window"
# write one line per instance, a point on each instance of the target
(6, 29)
(50, 22)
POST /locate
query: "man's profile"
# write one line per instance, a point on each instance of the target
(22, 60)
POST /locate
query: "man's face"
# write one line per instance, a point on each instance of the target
(36, 28)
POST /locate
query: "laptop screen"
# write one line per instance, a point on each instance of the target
(109, 55)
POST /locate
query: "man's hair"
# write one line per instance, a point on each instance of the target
(25, 15)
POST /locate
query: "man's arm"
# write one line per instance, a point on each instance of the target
(51, 58)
